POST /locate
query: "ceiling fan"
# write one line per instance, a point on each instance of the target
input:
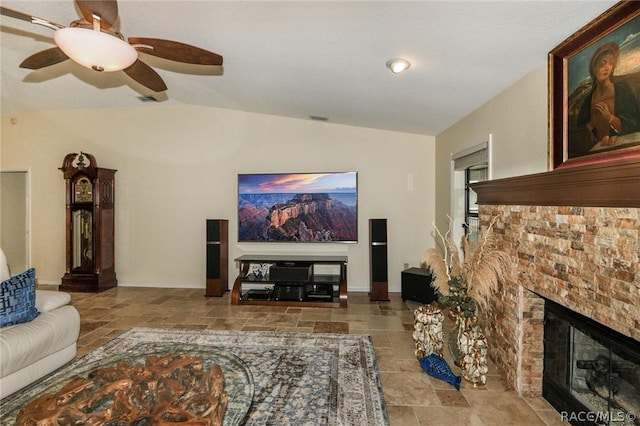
(93, 42)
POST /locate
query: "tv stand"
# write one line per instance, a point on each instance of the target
(291, 280)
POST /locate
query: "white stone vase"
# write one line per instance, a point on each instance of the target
(473, 356)
(427, 331)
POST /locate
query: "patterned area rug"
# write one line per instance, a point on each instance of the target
(272, 378)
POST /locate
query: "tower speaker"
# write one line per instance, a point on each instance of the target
(217, 257)
(379, 281)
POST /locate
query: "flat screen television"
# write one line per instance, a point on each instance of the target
(298, 207)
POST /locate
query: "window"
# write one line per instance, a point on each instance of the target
(473, 174)
(469, 166)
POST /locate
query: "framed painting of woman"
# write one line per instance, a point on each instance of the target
(594, 91)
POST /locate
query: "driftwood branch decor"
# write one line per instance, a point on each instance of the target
(466, 286)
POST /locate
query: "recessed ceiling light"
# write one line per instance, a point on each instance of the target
(398, 65)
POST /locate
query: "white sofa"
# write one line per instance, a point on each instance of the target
(31, 350)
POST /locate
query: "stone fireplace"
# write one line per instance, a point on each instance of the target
(573, 235)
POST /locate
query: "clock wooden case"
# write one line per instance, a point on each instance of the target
(90, 252)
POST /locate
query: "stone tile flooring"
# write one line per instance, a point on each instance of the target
(413, 398)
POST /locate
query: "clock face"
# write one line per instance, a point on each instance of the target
(83, 192)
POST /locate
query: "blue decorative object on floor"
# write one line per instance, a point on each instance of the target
(437, 367)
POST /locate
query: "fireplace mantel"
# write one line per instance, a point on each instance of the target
(610, 184)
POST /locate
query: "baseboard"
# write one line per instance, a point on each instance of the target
(192, 286)
(125, 284)
(162, 285)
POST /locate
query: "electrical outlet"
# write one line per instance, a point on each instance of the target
(406, 265)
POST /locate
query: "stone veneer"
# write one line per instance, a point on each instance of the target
(584, 258)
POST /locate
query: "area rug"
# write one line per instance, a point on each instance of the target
(273, 378)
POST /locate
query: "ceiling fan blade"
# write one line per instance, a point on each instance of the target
(29, 18)
(145, 75)
(107, 10)
(175, 51)
(44, 59)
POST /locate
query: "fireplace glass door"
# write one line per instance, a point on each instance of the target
(591, 373)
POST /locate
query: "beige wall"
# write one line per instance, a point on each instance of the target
(14, 219)
(517, 121)
(178, 165)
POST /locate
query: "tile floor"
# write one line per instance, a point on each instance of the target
(413, 398)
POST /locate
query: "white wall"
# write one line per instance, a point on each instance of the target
(516, 119)
(178, 165)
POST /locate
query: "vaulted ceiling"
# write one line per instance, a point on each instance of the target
(306, 58)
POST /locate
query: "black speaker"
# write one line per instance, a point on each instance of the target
(284, 273)
(378, 230)
(217, 257)
(379, 274)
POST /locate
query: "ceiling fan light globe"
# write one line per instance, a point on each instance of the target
(94, 49)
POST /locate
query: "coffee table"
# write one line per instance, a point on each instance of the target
(239, 383)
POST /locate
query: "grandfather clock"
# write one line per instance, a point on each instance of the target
(89, 225)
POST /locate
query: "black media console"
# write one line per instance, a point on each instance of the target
(292, 280)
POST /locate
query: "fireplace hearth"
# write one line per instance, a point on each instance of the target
(591, 373)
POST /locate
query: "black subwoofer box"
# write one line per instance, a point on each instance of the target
(416, 286)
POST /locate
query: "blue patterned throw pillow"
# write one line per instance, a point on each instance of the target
(18, 299)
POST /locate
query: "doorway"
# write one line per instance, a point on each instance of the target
(15, 219)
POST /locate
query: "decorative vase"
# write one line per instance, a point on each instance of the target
(453, 339)
(455, 334)
(463, 324)
(473, 349)
(427, 331)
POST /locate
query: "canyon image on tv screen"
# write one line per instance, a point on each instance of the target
(298, 207)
